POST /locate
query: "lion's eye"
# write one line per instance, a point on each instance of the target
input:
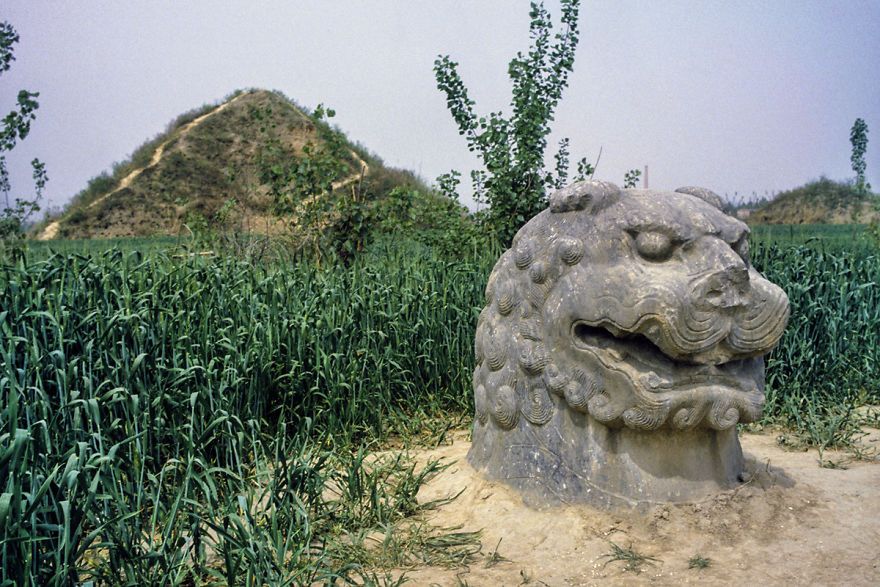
(655, 246)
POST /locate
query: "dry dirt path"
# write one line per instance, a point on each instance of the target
(51, 229)
(794, 523)
(364, 169)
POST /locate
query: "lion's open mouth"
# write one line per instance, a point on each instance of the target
(656, 371)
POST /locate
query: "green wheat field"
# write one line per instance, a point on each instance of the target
(170, 418)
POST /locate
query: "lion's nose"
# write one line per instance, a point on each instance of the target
(737, 275)
(725, 287)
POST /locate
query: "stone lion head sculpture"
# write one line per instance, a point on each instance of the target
(621, 342)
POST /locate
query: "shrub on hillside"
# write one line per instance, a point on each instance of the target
(833, 194)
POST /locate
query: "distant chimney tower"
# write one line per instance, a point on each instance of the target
(646, 177)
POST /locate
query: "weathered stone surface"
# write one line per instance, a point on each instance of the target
(622, 341)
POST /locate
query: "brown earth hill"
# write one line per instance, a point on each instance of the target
(207, 158)
(820, 202)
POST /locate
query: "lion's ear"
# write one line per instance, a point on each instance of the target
(704, 194)
(591, 196)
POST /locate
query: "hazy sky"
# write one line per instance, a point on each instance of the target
(735, 96)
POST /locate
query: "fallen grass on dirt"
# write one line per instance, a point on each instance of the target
(699, 562)
(632, 560)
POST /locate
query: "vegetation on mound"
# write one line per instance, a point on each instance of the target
(823, 201)
(257, 163)
(106, 182)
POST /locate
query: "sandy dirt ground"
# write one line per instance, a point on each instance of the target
(792, 523)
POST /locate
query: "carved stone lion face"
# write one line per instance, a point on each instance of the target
(637, 308)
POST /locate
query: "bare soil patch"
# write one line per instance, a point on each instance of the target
(792, 523)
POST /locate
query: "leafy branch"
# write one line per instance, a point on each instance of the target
(513, 181)
(15, 127)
